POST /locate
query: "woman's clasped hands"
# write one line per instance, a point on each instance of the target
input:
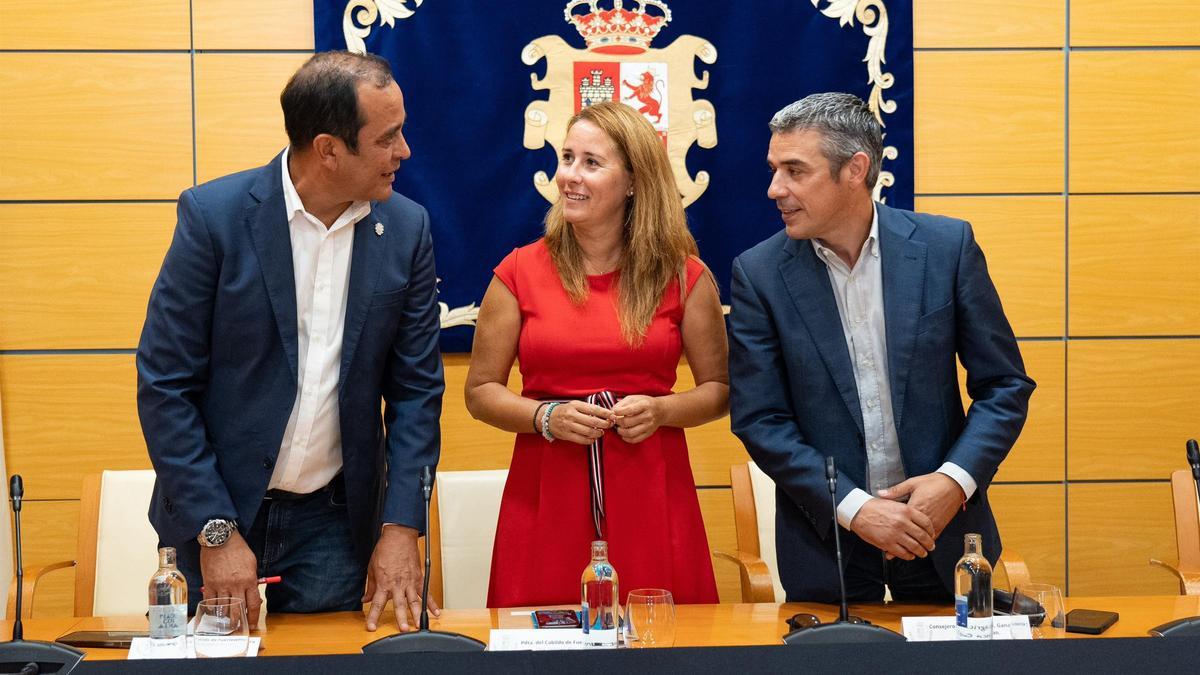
(634, 418)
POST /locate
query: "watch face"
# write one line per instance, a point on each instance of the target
(216, 532)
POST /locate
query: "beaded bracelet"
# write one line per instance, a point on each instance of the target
(546, 433)
(537, 413)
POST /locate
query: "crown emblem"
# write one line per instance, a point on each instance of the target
(618, 30)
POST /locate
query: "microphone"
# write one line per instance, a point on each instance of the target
(1187, 626)
(30, 656)
(847, 628)
(1193, 457)
(423, 639)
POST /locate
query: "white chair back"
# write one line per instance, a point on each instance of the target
(126, 544)
(764, 510)
(468, 508)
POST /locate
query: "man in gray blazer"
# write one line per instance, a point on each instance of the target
(845, 330)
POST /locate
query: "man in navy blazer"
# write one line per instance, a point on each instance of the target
(845, 329)
(296, 302)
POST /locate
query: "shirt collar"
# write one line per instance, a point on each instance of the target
(870, 246)
(291, 198)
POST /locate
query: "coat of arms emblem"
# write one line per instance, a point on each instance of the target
(618, 64)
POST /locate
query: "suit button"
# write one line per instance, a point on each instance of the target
(268, 463)
(168, 505)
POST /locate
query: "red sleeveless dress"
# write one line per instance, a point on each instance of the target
(653, 525)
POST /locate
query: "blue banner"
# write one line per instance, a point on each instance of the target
(489, 86)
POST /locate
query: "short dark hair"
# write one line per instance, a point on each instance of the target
(322, 97)
(846, 124)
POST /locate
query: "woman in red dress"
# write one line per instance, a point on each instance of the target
(597, 313)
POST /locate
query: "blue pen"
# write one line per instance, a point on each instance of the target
(583, 615)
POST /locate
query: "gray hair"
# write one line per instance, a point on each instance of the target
(846, 124)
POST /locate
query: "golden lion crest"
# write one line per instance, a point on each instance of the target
(619, 65)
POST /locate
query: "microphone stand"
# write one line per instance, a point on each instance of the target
(846, 628)
(30, 657)
(1188, 626)
(423, 639)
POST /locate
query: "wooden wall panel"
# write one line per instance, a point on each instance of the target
(1039, 454)
(712, 447)
(265, 24)
(716, 505)
(1147, 23)
(119, 24)
(1115, 528)
(1133, 117)
(1024, 241)
(468, 444)
(95, 126)
(1033, 525)
(77, 276)
(66, 416)
(239, 124)
(988, 122)
(1014, 23)
(1132, 405)
(1134, 265)
(48, 532)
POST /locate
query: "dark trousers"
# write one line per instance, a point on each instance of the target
(913, 580)
(307, 542)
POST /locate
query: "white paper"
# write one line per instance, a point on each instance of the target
(937, 628)
(145, 648)
(543, 639)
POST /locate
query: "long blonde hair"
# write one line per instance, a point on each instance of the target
(656, 241)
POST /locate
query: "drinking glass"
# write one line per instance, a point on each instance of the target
(221, 628)
(651, 616)
(1044, 605)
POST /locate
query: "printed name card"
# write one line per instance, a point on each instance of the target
(145, 648)
(937, 628)
(533, 639)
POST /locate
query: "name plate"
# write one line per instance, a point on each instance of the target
(145, 648)
(545, 639)
(938, 628)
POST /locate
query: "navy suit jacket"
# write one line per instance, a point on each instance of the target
(794, 400)
(217, 361)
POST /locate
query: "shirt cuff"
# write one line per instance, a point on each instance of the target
(961, 477)
(849, 506)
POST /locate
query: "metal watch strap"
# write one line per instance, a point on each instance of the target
(216, 532)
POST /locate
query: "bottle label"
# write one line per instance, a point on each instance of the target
(168, 621)
(969, 627)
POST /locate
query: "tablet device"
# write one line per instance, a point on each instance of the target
(112, 639)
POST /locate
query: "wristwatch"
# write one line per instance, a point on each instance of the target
(216, 532)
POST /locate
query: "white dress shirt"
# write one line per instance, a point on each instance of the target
(311, 453)
(859, 295)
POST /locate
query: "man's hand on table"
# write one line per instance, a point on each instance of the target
(396, 572)
(231, 571)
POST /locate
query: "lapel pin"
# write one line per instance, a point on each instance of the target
(378, 229)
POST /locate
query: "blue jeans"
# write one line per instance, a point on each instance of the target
(913, 580)
(305, 541)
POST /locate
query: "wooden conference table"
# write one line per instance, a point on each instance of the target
(697, 625)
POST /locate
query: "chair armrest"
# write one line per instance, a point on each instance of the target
(1015, 570)
(1189, 579)
(29, 585)
(757, 585)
